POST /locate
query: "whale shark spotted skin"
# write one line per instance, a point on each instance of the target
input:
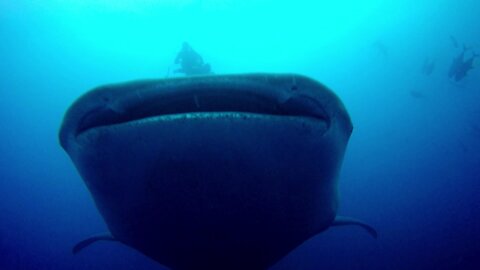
(214, 172)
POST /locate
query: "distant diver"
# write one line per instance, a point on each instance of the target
(191, 63)
(466, 67)
(428, 66)
(456, 63)
(460, 67)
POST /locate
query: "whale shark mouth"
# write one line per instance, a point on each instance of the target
(200, 103)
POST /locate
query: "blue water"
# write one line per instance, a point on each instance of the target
(412, 168)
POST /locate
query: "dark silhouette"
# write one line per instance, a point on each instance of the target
(456, 63)
(460, 67)
(191, 63)
(465, 67)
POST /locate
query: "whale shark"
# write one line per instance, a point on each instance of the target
(211, 172)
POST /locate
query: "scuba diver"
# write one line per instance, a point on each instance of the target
(461, 66)
(191, 63)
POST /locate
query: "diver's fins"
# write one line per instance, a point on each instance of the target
(341, 221)
(85, 243)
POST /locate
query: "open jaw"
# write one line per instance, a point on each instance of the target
(201, 103)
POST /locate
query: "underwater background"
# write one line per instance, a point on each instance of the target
(412, 167)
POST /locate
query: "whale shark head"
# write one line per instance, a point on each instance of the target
(214, 172)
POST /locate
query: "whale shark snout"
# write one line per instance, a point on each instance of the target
(214, 172)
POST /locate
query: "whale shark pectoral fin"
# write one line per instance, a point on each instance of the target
(341, 221)
(87, 242)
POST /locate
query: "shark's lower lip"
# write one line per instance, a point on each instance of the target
(239, 106)
(302, 124)
(215, 115)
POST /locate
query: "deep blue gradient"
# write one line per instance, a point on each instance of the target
(412, 168)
